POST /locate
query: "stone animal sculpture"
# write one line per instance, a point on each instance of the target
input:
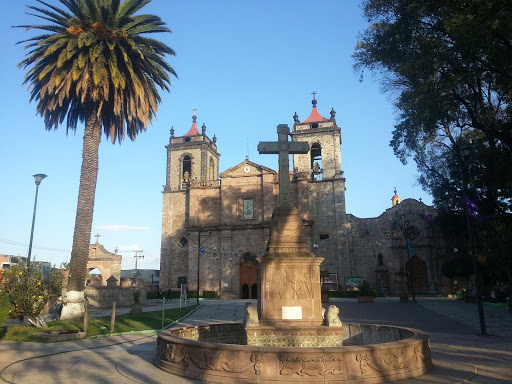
(251, 315)
(331, 318)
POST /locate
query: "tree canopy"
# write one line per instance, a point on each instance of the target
(93, 56)
(448, 65)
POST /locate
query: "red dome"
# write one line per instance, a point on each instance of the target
(314, 117)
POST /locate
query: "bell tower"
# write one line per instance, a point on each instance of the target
(326, 187)
(191, 157)
(192, 161)
(323, 162)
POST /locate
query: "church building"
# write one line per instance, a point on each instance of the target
(215, 225)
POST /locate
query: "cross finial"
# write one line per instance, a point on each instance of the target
(314, 93)
(97, 236)
(195, 111)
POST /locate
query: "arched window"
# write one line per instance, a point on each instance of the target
(186, 171)
(211, 170)
(316, 161)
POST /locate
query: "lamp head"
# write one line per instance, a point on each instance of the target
(38, 178)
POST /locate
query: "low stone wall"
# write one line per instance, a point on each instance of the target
(104, 297)
(368, 334)
(203, 353)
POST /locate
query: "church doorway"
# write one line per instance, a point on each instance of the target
(245, 291)
(248, 277)
(419, 276)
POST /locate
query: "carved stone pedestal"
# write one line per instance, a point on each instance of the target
(290, 292)
(289, 278)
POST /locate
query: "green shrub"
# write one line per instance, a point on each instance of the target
(5, 308)
(345, 294)
(202, 294)
(175, 294)
(354, 294)
(152, 295)
(30, 291)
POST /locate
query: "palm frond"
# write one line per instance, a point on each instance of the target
(129, 7)
(51, 16)
(92, 55)
(58, 10)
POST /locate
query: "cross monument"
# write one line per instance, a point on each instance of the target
(289, 274)
(283, 148)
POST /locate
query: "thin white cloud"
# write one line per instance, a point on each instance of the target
(121, 228)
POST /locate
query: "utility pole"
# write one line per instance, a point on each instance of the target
(137, 257)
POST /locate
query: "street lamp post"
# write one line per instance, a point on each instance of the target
(198, 244)
(37, 178)
(464, 152)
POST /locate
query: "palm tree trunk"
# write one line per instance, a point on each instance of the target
(83, 223)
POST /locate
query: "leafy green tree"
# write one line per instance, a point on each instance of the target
(448, 65)
(92, 64)
(31, 291)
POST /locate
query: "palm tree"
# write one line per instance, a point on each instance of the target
(93, 65)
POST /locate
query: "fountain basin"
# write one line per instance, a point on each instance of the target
(368, 354)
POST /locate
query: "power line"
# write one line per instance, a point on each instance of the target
(22, 244)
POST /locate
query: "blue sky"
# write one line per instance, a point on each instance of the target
(246, 66)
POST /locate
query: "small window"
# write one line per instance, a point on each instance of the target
(187, 139)
(248, 207)
(324, 236)
(183, 241)
(182, 280)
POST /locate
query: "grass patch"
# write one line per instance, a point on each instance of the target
(99, 325)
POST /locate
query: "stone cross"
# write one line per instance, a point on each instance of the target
(283, 148)
(97, 236)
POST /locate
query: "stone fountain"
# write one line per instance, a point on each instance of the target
(289, 336)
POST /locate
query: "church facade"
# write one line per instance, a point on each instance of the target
(215, 225)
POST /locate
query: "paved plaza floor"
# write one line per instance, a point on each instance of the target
(460, 355)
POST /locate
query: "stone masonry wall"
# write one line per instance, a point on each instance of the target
(173, 255)
(104, 297)
(381, 235)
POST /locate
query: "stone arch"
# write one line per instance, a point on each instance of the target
(316, 160)
(108, 263)
(186, 167)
